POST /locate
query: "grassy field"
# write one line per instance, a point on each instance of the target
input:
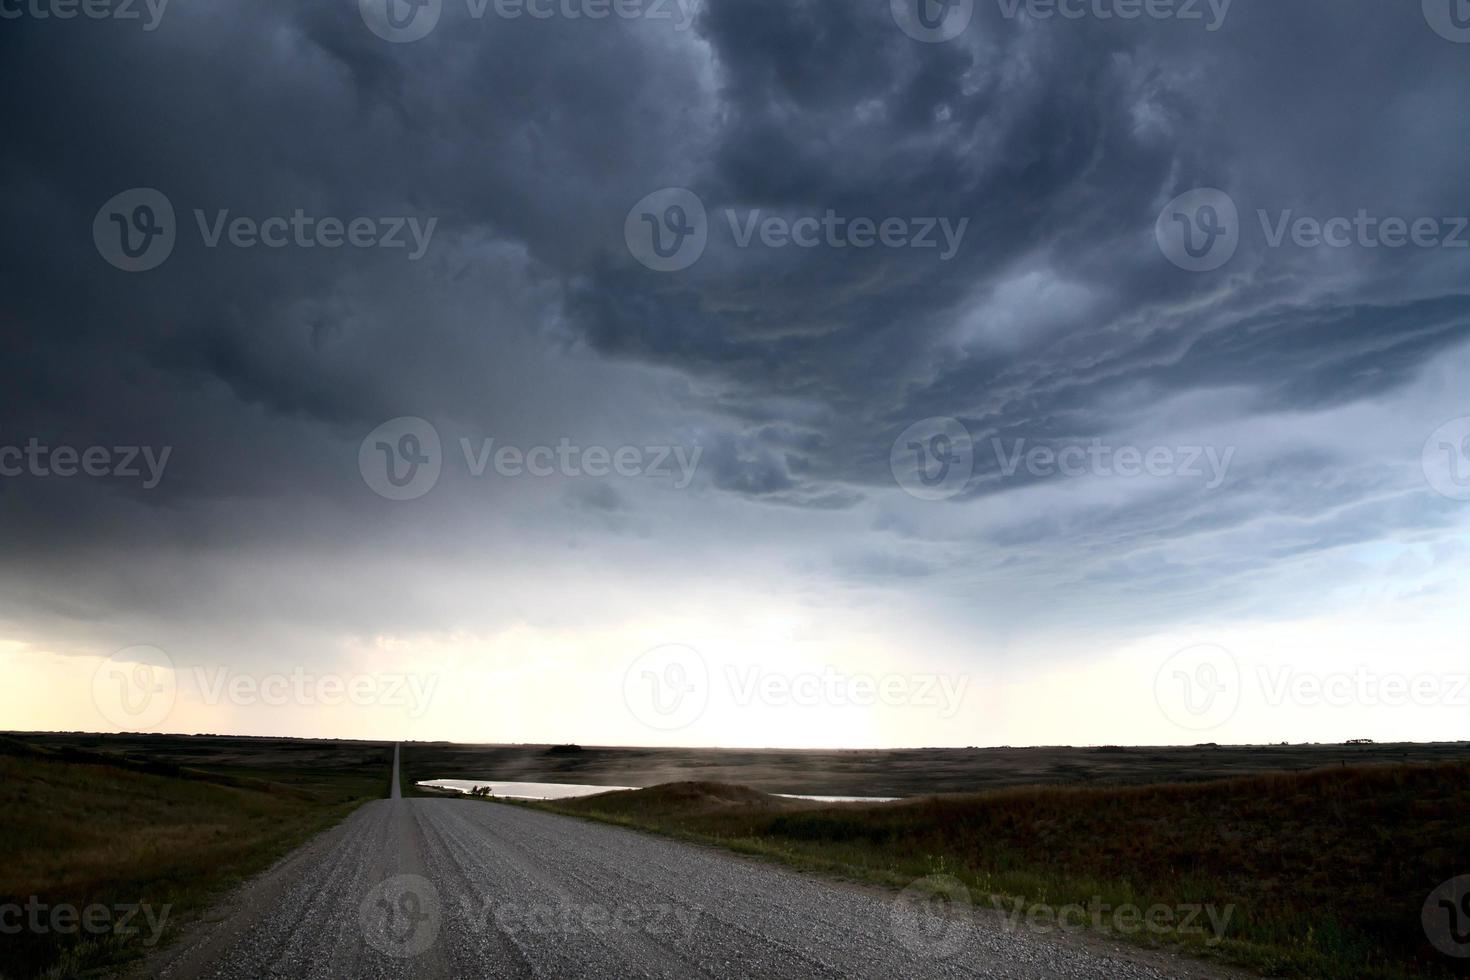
(1322, 873)
(111, 842)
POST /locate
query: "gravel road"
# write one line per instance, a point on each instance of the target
(462, 888)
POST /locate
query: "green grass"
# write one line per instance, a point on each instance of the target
(85, 828)
(1324, 872)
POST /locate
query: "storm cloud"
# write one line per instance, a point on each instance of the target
(824, 146)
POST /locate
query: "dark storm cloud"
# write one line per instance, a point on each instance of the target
(1060, 142)
(1056, 318)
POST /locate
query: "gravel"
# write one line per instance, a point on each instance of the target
(457, 888)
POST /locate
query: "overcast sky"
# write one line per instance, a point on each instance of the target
(944, 376)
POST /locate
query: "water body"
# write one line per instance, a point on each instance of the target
(523, 791)
(841, 799)
(568, 791)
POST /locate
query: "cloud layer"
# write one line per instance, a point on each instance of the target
(1054, 322)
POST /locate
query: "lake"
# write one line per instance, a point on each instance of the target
(568, 791)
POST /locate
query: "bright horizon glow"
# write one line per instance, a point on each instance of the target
(512, 688)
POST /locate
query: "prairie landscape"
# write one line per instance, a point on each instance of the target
(1316, 858)
(734, 489)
